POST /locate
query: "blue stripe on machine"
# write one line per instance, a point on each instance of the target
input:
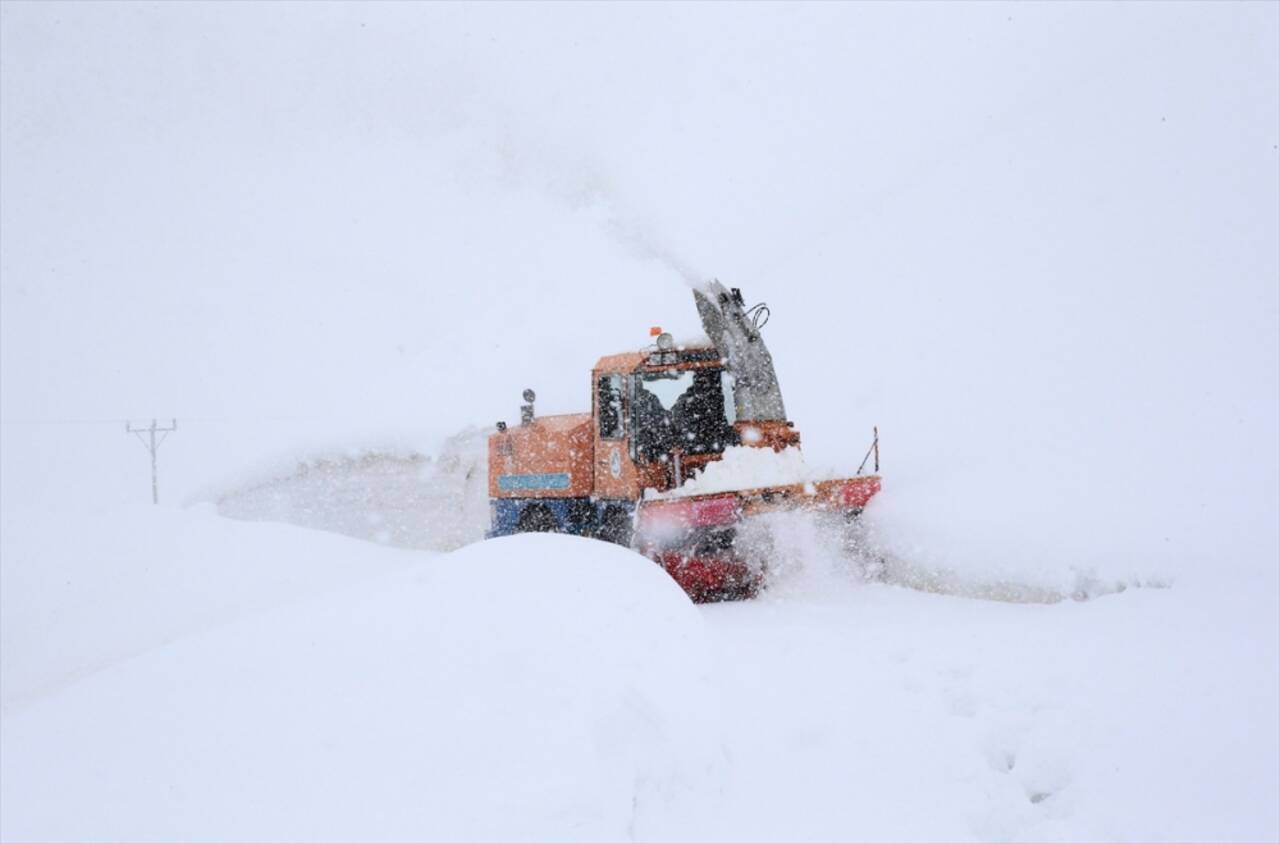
(558, 480)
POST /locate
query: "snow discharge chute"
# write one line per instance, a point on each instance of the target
(757, 396)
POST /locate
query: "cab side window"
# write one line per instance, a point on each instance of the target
(609, 404)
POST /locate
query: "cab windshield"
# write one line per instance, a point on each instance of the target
(691, 410)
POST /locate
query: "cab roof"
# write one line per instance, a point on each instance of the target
(624, 362)
(697, 357)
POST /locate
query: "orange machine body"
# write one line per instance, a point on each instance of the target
(551, 457)
(580, 473)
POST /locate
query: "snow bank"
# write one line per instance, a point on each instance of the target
(531, 688)
(965, 535)
(84, 590)
(400, 497)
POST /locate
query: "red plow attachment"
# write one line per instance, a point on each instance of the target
(697, 538)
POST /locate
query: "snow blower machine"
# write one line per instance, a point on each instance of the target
(684, 447)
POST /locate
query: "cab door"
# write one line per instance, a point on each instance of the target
(615, 473)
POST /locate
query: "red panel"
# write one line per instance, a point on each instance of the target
(711, 578)
(684, 513)
(714, 511)
(857, 492)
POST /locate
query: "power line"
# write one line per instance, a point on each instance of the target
(118, 420)
(62, 421)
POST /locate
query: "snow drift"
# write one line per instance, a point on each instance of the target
(532, 688)
(129, 579)
(398, 497)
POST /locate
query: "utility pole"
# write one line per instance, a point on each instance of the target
(153, 445)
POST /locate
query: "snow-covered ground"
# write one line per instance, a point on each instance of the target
(545, 687)
(1035, 244)
(531, 688)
